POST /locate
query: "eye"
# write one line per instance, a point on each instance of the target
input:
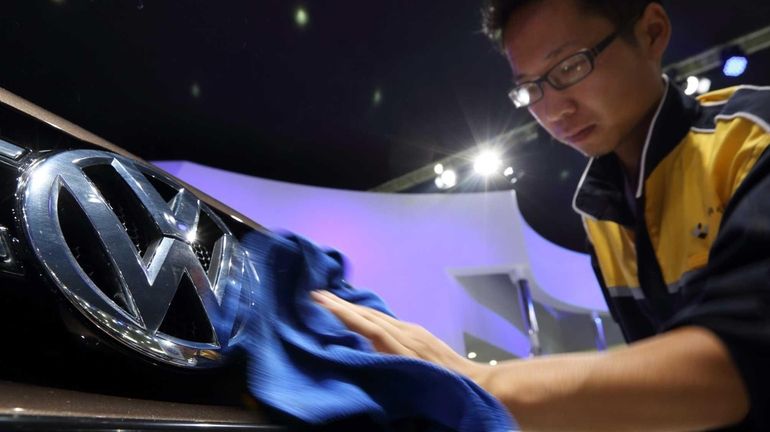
(571, 68)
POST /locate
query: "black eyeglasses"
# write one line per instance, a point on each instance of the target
(568, 72)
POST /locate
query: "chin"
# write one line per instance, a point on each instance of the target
(590, 149)
(587, 149)
(596, 153)
(594, 147)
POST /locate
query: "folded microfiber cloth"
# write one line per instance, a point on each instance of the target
(305, 363)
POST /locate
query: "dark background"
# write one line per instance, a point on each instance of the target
(240, 85)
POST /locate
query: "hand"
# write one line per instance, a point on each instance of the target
(391, 336)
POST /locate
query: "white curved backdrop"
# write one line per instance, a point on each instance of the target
(406, 247)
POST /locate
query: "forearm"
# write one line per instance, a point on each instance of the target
(682, 380)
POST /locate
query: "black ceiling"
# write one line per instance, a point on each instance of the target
(365, 92)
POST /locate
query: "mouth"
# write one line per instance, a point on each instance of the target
(580, 135)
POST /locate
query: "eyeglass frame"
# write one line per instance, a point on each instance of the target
(590, 53)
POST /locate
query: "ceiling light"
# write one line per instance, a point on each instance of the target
(438, 169)
(450, 178)
(471, 355)
(487, 163)
(301, 17)
(695, 85)
(493, 362)
(508, 172)
(735, 66)
(446, 180)
(692, 85)
(734, 61)
(704, 85)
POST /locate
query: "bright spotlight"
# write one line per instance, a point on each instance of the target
(450, 178)
(704, 85)
(487, 163)
(438, 169)
(446, 180)
(692, 85)
(195, 90)
(735, 66)
(301, 17)
(734, 61)
(508, 172)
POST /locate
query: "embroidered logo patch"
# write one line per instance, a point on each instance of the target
(701, 231)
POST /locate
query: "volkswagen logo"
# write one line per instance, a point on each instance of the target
(138, 255)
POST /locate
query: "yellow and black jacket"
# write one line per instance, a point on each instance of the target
(692, 247)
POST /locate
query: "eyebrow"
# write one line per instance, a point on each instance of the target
(558, 50)
(553, 53)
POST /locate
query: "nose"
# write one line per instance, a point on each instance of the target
(555, 105)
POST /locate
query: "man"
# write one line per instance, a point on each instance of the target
(676, 203)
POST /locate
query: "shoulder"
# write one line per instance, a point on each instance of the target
(731, 133)
(745, 103)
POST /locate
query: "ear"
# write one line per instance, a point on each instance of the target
(653, 31)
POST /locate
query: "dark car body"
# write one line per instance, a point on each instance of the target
(82, 346)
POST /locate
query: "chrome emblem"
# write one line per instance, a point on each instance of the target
(138, 255)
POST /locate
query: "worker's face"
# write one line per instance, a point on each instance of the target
(609, 106)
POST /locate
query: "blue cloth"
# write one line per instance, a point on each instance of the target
(304, 362)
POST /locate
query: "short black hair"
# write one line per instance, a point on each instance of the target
(496, 13)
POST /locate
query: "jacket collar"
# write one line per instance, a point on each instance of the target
(600, 194)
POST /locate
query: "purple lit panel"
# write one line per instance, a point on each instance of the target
(403, 245)
(561, 273)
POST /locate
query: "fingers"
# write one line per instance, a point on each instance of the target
(392, 325)
(392, 336)
(353, 313)
(360, 320)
